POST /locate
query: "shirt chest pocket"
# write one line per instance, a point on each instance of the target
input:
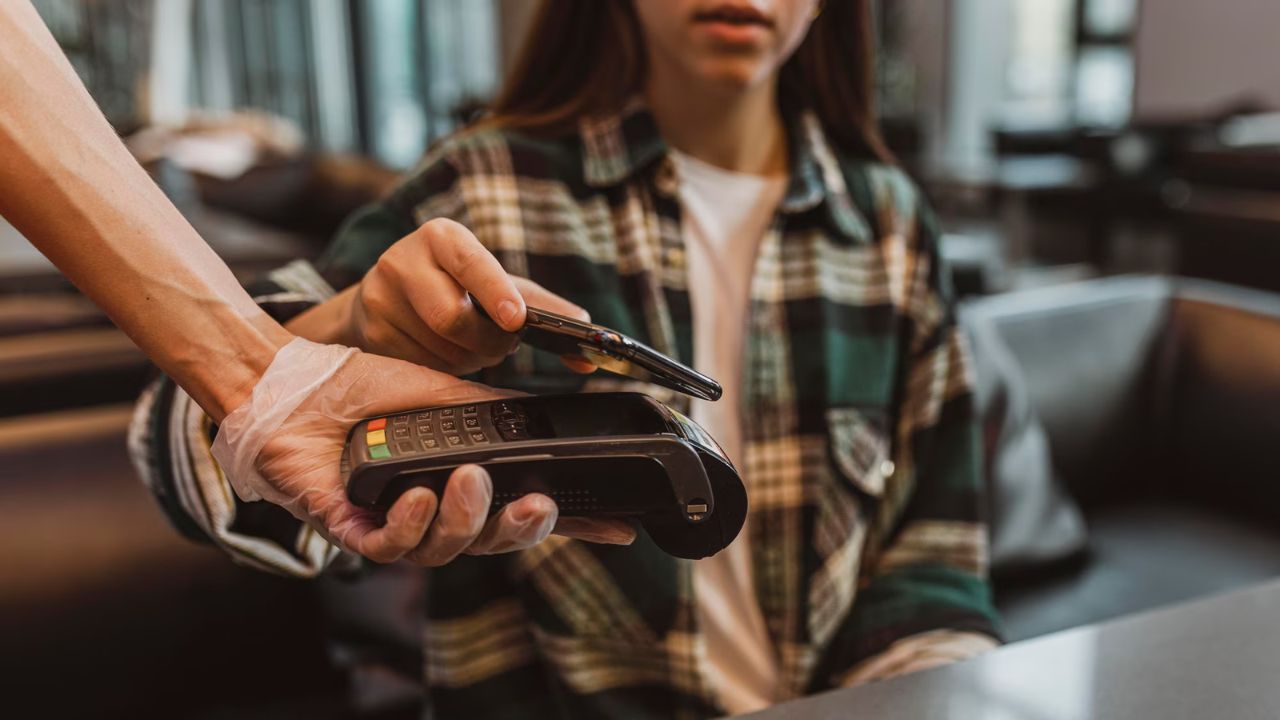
(860, 448)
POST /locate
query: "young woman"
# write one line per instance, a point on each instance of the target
(704, 175)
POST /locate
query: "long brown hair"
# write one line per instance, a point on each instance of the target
(585, 57)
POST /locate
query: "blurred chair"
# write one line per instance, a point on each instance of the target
(1161, 402)
(1226, 208)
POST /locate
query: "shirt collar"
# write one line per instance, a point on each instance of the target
(618, 146)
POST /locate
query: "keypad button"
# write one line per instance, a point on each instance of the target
(377, 437)
(404, 447)
(471, 423)
(513, 431)
(469, 410)
(424, 416)
(402, 433)
(378, 424)
(477, 436)
(447, 412)
(379, 452)
(424, 429)
(453, 440)
(448, 425)
(430, 444)
(400, 420)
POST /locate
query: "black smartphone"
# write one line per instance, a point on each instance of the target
(612, 351)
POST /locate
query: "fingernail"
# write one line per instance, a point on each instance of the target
(605, 538)
(618, 538)
(480, 492)
(477, 473)
(507, 312)
(521, 515)
(421, 510)
(602, 535)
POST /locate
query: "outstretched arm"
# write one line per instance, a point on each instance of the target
(73, 189)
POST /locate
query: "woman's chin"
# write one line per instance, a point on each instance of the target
(733, 75)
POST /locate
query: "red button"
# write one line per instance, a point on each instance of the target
(377, 424)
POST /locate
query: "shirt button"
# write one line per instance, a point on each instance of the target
(887, 467)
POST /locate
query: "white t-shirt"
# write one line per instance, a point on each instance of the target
(726, 215)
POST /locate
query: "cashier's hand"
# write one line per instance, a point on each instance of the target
(298, 465)
(413, 304)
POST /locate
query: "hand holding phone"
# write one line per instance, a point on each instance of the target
(611, 351)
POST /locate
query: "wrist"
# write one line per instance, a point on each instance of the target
(220, 374)
(258, 351)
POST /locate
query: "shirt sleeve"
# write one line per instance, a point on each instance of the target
(925, 565)
(919, 652)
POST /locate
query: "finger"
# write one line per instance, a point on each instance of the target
(578, 364)
(539, 297)
(455, 320)
(606, 531)
(520, 525)
(435, 351)
(385, 336)
(406, 524)
(461, 517)
(392, 324)
(457, 251)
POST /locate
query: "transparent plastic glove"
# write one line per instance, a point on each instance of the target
(285, 443)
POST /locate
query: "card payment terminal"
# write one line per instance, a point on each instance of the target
(606, 454)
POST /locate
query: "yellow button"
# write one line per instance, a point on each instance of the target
(377, 437)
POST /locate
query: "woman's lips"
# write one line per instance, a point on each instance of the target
(733, 14)
(733, 24)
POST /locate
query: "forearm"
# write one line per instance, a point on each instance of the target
(73, 189)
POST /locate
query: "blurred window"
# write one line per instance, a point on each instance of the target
(1104, 62)
(384, 77)
(108, 43)
(1104, 86)
(252, 54)
(392, 79)
(1070, 61)
(422, 62)
(1110, 18)
(1039, 70)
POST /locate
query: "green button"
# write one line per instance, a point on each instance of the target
(378, 452)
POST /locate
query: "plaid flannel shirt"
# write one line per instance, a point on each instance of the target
(861, 455)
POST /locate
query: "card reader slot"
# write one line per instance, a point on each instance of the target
(580, 486)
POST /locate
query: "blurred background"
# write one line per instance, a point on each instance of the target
(1107, 172)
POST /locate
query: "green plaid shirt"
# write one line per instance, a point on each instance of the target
(861, 456)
